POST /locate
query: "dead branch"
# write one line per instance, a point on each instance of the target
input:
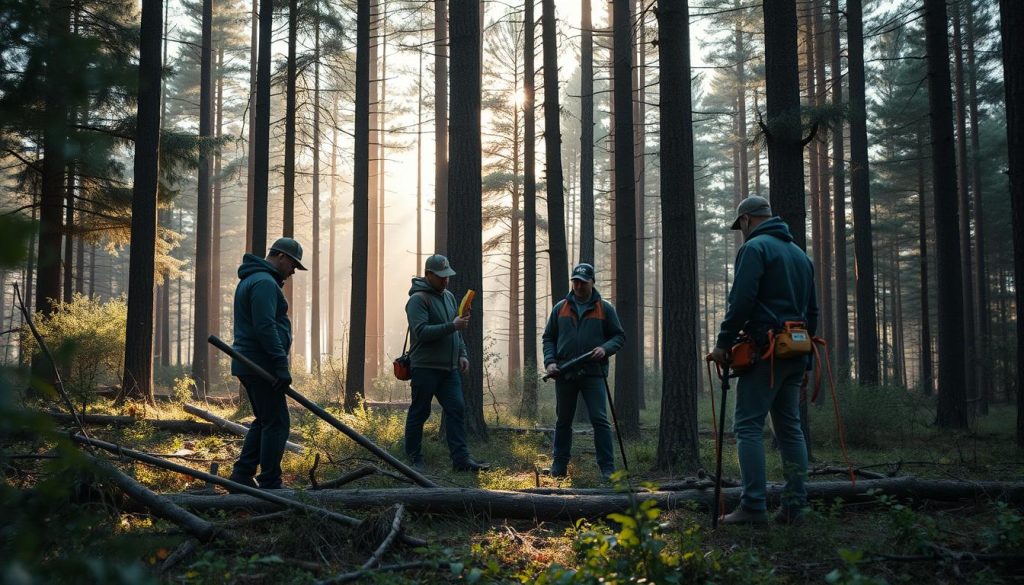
(396, 527)
(833, 470)
(530, 506)
(243, 490)
(222, 401)
(178, 426)
(357, 473)
(183, 550)
(253, 519)
(233, 427)
(194, 525)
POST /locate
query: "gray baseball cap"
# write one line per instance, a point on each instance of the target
(439, 265)
(290, 248)
(754, 205)
(583, 271)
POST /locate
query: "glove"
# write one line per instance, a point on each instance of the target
(284, 380)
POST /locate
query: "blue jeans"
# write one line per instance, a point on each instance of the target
(264, 442)
(755, 398)
(593, 392)
(446, 385)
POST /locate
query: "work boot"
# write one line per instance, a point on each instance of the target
(555, 472)
(742, 515)
(246, 481)
(418, 464)
(470, 465)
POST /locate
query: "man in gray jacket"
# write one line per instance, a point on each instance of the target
(439, 358)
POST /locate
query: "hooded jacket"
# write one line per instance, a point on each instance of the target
(774, 283)
(435, 342)
(263, 332)
(575, 328)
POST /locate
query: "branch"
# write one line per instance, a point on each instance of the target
(396, 527)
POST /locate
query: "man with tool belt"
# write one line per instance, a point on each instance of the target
(774, 284)
(438, 357)
(582, 324)
(263, 333)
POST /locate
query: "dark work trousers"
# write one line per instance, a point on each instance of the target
(592, 390)
(446, 385)
(264, 443)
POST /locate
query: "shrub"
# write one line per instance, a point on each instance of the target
(87, 339)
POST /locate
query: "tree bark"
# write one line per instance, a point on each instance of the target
(262, 132)
(250, 163)
(860, 192)
(841, 310)
(464, 210)
(354, 388)
(529, 217)
(824, 217)
(314, 318)
(586, 134)
(628, 370)
(137, 381)
(214, 372)
(927, 378)
(440, 127)
(558, 258)
(952, 405)
(1011, 22)
(201, 322)
(678, 445)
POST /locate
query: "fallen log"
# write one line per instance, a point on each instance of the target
(530, 506)
(233, 427)
(178, 426)
(222, 401)
(277, 498)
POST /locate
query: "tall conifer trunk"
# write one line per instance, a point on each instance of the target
(586, 134)
(529, 218)
(841, 310)
(201, 318)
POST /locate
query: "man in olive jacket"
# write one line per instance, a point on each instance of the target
(263, 333)
(774, 283)
(582, 323)
(438, 358)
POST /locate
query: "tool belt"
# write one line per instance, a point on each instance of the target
(743, 354)
(789, 342)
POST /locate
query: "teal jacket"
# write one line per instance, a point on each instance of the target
(774, 283)
(575, 328)
(263, 332)
(435, 342)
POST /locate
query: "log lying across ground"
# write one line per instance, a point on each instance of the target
(510, 504)
(178, 426)
(233, 427)
(222, 401)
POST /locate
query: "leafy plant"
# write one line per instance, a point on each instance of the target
(1007, 534)
(849, 574)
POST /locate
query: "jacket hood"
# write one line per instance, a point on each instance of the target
(773, 227)
(420, 284)
(252, 264)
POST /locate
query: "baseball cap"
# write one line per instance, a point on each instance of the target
(439, 265)
(583, 271)
(290, 248)
(754, 205)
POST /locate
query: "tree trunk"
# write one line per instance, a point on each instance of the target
(201, 321)
(250, 162)
(743, 162)
(678, 445)
(354, 389)
(971, 388)
(288, 212)
(55, 130)
(927, 378)
(983, 318)
(137, 381)
(440, 127)
(373, 205)
(586, 134)
(811, 43)
(557, 255)
(262, 132)
(841, 310)
(464, 210)
(824, 217)
(215, 252)
(952, 406)
(529, 218)
(69, 229)
(332, 297)
(314, 315)
(514, 260)
(639, 141)
(860, 190)
(628, 370)
(1011, 21)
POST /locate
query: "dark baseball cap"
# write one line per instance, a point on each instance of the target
(754, 205)
(290, 248)
(583, 271)
(439, 265)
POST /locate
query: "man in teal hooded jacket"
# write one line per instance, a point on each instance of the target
(439, 359)
(263, 333)
(774, 283)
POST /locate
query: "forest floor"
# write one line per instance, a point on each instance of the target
(884, 540)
